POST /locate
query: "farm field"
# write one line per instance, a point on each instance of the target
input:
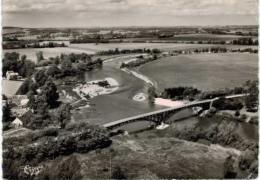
(107, 46)
(206, 37)
(47, 52)
(91, 48)
(203, 71)
(162, 46)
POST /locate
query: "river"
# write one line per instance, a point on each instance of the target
(118, 105)
(111, 107)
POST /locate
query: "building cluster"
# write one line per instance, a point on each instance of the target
(11, 75)
(18, 107)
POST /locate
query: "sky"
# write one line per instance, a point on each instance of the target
(103, 13)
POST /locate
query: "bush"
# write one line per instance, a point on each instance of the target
(246, 159)
(237, 113)
(229, 168)
(44, 63)
(180, 92)
(65, 169)
(53, 71)
(227, 104)
(79, 138)
(118, 174)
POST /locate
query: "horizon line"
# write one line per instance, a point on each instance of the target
(130, 26)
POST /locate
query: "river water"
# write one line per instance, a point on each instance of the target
(118, 105)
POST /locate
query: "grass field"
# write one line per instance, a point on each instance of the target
(151, 157)
(47, 52)
(103, 47)
(162, 46)
(206, 37)
(204, 71)
(92, 48)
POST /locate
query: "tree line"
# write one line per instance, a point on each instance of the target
(47, 144)
(29, 44)
(139, 61)
(249, 87)
(129, 51)
(13, 62)
(215, 50)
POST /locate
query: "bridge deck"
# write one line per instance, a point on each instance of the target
(192, 104)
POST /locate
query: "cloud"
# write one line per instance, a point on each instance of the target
(124, 11)
(171, 7)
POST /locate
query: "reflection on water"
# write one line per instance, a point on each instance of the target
(184, 120)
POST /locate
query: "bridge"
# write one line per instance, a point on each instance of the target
(159, 116)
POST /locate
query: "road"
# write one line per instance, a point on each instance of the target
(188, 105)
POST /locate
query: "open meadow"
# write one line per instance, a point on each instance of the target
(203, 71)
(92, 48)
(162, 46)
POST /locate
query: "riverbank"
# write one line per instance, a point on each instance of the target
(95, 88)
(138, 75)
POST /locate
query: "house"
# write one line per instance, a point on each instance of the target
(17, 123)
(10, 75)
(24, 102)
(18, 100)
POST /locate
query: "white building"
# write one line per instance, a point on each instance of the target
(24, 102)
(16, 123)
(10, 75)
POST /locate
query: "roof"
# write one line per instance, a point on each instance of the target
(24, 102)
(17, 121)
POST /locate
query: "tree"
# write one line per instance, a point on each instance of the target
(25, 68)
(99, 61)
(151, 94)
(246, 159)
(14, 56)
(57, 60)
(40, 77)
(64, 114)
(31, 98)
(39, 56)
(237, 113)
(7, 117)
(67, 169)
(40, 105)
(24, 89)
(10, 62)
(156, 51)
(53, 71)
(49, 90)
(220, 103)
(23, 57)
(251, 100)
(66, 66)
(230, 171)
